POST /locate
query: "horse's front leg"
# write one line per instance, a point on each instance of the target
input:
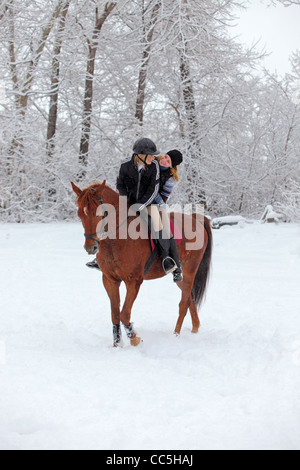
(112, 288)
(133, 288)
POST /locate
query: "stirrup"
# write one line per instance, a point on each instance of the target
(172, 265)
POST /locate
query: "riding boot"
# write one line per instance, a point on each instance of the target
(163, 242)
(93, 264)
(177, 274)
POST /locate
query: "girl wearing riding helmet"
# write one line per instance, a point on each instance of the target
(168, 177)
(139, 180)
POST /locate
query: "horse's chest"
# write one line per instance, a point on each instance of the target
(109, 259)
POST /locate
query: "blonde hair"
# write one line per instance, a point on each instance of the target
(139, 162)
(173, 171)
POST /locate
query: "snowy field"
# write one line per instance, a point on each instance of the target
(235, 385)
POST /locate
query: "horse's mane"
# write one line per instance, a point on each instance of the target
(90, 196)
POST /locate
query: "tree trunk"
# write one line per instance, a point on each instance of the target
(88, 106)
(192, 128)
(148, 38)
(53, 107)
(22, 98)
(89, 89)
(13, 70)
(22, 91)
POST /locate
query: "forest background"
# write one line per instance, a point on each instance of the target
(81, 80)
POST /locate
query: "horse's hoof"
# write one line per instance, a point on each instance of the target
(195, 331)
(135, 340)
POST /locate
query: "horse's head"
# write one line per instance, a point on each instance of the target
(88, 201)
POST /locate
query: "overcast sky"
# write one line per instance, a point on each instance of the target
(278, 29)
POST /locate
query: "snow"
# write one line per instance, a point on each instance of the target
(228, 220)
(270, 215)
(2, 92)
(235, 385)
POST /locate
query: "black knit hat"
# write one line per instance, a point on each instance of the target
(176, 157)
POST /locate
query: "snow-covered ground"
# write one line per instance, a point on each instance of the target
(235, 385)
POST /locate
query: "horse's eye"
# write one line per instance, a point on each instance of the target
(102, 215)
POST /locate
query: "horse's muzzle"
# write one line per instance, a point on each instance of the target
(91, 249)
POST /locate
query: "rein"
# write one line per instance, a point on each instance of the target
(99, 236)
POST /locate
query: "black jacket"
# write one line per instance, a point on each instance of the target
(139, 187)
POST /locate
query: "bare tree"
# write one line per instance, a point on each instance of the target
(148, 32)
(286, 3)
(93, 45)
(192, 132)
(55, 79)
(22, 86)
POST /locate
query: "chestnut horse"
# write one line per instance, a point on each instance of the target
(125, 259)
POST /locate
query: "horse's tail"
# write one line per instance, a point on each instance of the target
(202, 276)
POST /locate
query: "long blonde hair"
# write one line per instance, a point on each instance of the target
(173, 171)
(139, 162)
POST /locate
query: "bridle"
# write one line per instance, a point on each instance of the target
(98, 236)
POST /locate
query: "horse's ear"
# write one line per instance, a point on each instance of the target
(102, 186)
(76, 190)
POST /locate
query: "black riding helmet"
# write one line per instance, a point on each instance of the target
(145, 146)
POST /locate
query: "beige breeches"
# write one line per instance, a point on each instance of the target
(156, 221)
(159, 219)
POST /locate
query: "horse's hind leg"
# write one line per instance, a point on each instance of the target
(185, 303)
(133, 288)
(112, 288)
(194, 316)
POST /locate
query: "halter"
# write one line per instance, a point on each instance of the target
(99, 235)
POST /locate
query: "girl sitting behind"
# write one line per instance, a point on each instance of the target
(168, 178)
